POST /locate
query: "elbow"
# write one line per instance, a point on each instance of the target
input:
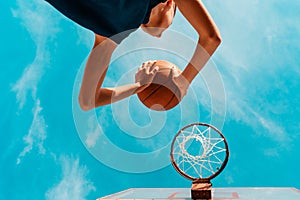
(214, 39)
(210, 42)
(217, 39)
(88, 103)
(84, 104)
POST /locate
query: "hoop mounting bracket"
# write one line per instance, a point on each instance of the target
(201, 190)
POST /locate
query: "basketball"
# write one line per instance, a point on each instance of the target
(162, 94)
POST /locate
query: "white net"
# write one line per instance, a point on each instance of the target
(199, 151)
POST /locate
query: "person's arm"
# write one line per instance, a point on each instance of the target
(209, 38)
(91, 92)
(143, 79)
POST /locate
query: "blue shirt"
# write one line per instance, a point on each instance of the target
(110, 18)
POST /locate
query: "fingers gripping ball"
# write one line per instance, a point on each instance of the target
(162, 94)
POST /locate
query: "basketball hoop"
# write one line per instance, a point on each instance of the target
(199, 152)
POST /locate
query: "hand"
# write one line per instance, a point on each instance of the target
(145, 74)
(180, 81)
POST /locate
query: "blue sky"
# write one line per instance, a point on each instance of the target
(51, 150)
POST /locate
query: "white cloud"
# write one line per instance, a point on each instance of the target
(40, 24)
(36, 134)
(29, 80)
(85, 37)
(277, 132)
(260, 120)
(94, 132)
(229, 179)
(37, 18)
(271, 152)
(73, 184)
(255, 53)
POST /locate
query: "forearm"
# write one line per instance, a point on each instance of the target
(143, 79)
(202, 54)
(106, 96)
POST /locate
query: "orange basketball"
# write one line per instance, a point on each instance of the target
(162, 93)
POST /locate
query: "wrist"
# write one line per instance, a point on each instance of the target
(140, 87)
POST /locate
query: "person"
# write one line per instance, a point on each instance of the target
(114, 20)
